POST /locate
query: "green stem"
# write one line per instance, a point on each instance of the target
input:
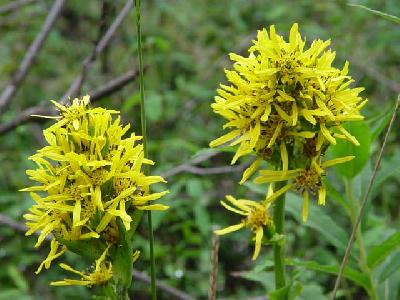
(143, 123)
(354, 207)
(279, 248)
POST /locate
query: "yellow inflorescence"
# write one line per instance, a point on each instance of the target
(286, 104)
(90, 176)
(255, 217)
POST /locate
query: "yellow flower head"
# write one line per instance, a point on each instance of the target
(282, 94)
(255, 217)
(100, 275)
(89, 177)
(304, 180)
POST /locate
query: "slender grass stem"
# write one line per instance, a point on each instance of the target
(144, 134)
(279, 249)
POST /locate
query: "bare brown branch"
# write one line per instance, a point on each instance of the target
(30, 55)
(43, 109)
(75, 87)
(190, 167)
(212, 287)
(14, 5)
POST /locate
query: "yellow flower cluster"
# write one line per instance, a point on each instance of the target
(256, 216)
(286, 103)
(90, 177)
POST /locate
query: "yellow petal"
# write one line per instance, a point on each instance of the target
(327, 134)
(336, 161)
(321, 195)
(305, 206)
(229, 229)
(250, 170)
(257, 247)
(284, 158)
(225, 138)
(278, 193)
(228, 207)
(76, 215)
(153, 207)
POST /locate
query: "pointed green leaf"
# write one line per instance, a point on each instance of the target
(349, 273)
(386, 16)
(362, 133)
(379, 252)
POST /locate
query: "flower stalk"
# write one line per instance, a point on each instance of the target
(279, 247)
(144, 133)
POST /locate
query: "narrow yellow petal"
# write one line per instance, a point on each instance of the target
(153, 207)
(250, 170)
(327, 134)
(336, 161)
(225, 138)
(294, 114)
(228, 207)
(305, 206)
(267, 112)
(277, 132)
(284, 158)
(76, 215)
(229, 229)
(278, 193)
(321, 195)
(348, 136)
(257, 247)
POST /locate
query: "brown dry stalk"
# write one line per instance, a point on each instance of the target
(30, 55)
(212, 289)
(107, 89)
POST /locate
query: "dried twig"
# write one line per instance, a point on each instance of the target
(43, 109)
(190, 167)
(5, 220)
(375, 74)
(364, 201)
(14, 5)
(101, 45)
(212, 288)
(30, 55)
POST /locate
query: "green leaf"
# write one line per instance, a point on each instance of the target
(202, 219)
(342, 148)
(349, 273)
(122, 257)
(17, 278)
(91, 249)
(379, 124)
(318, 220)
(336, 196)
(6, 294)
(391, 266)
(130, 102)
(153, 104)
(386, 16)
(379, 252)
(291, 291)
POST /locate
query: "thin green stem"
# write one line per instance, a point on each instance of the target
(279, 248)
(143, 123)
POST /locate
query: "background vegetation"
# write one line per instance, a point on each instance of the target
(185, 50)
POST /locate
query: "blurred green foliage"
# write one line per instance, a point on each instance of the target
(185, 48)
